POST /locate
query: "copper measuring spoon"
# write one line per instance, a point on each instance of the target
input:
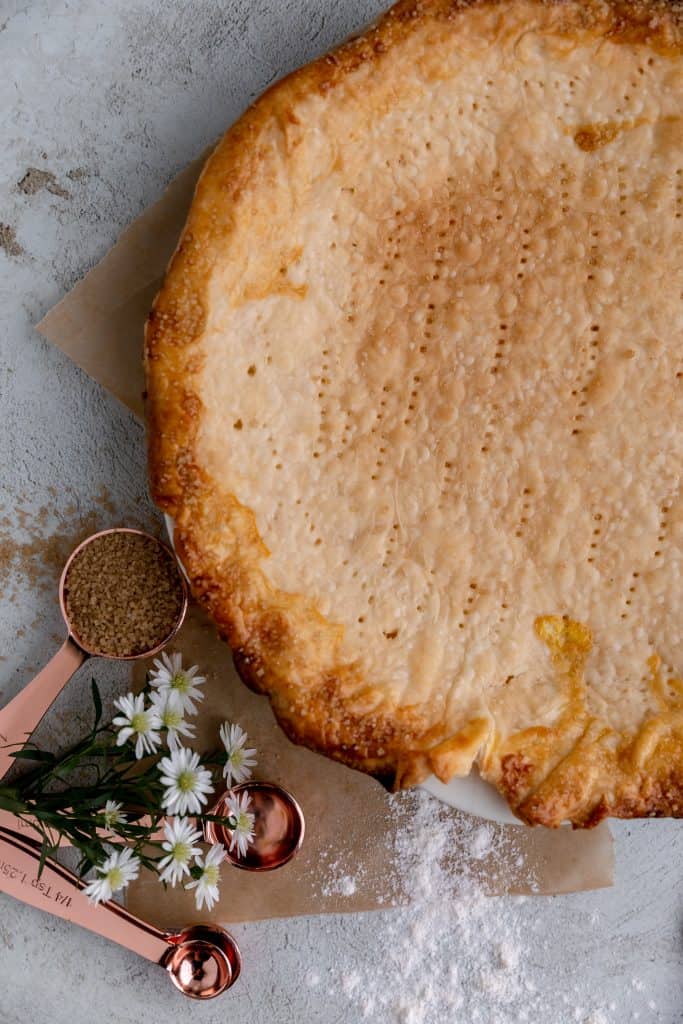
(202, 960)
(279, 827)
(21, 716)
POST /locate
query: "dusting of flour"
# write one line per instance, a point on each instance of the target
(454, 955)
(340, 885)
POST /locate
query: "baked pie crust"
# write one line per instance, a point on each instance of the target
(414, 396)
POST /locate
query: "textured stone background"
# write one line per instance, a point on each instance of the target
(100, 105)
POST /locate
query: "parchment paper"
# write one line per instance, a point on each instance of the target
(351, 821)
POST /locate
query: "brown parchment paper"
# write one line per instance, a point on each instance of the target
(351, 822)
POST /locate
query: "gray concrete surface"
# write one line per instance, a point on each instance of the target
(107, 101)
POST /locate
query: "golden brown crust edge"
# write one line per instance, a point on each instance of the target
(319, 701)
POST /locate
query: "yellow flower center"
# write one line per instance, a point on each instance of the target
(172, 718)
(115, 878)
(186, 782)
(139, 722)
(181, 852)
(180, 682)
(212, 875)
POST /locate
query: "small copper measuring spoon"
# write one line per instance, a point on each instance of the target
(21, 716)
(202, 960)
(279, 826)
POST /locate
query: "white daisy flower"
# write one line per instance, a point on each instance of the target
(172, 717)
(207, 883)
(170, 677)
(111, 815)
(137, 720)
(242, 833)
(187, 783)
(118, 870)
(240, 759)
(181, 850)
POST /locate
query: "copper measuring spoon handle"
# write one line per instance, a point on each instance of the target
(59, 892)
(23, 714)
(202, 961)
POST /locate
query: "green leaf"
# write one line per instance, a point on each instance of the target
(97, 701)
(33, 754)
(100, 750)
(9, 801)
(92, 851)
(221, 819)
(44, 854)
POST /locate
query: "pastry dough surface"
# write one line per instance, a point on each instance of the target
(415, 381)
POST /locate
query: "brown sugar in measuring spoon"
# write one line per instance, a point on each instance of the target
(123, 597)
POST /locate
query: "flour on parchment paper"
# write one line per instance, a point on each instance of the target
(340, 885)
(455, 955)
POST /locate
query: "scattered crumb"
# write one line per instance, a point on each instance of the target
(37, 555)
(104, 500)
(8, 241)
(35, 543)
(36, 180)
